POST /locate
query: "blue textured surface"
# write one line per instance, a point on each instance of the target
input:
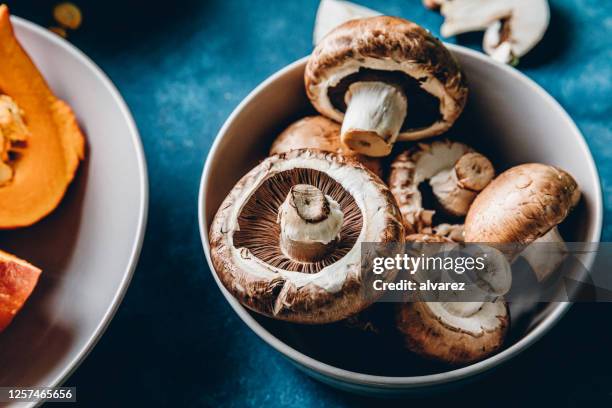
(182, 69)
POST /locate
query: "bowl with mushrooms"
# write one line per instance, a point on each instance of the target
(386, 135)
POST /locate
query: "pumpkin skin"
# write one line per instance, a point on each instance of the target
(17, 281)
(54, 148)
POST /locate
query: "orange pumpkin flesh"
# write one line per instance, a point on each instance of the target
(55, 145)
(17, 281)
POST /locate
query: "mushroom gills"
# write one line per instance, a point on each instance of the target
(260, 232)
(310, 223)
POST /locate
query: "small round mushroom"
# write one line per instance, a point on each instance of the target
(318, 132)
(385, 79)
(286, 240)
(453, 332)
(455, 172)
(523, 205)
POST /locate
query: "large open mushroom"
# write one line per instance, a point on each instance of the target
(286, 240)
(455, 172)
(523, 205)
(385, 79)
(319, 132)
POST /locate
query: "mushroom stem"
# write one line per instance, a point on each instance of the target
(548, 253)
(456, 188)
(374, 117)
(310, 223)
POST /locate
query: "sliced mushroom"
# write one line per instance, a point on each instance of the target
(522, 205)
(385, 79)
(332, 13)
(513, 27)
(318, 132)
(455, 172)
(453, 332)
(286, 240)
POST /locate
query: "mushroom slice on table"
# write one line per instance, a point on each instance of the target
(286, 240)
(319, 132)
(524, 205)
(512, 27)
(455, 172)
(385, 79)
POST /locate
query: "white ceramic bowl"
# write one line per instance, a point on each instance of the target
(87, 248)
(508, 117)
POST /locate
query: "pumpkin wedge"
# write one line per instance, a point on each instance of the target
(40, 160)
(17, 281)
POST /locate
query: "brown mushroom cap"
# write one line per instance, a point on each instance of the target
(244, 238)
(319, 132)
(392, 50)
(453, 340)
(521, 204)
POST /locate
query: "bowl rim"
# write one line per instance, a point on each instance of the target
(143, 206)
(389, 382)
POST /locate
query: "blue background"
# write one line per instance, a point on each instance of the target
(182, 67)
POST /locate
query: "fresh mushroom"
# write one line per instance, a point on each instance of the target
(444, 332)
(318, 132)
(467, 329)
(455, 172)
(513, 27)
(332, 13)
(522, 205)
(286, 240)
(385, 79)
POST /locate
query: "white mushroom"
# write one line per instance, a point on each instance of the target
(455, 172)
(332, 13)
(513, 27)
